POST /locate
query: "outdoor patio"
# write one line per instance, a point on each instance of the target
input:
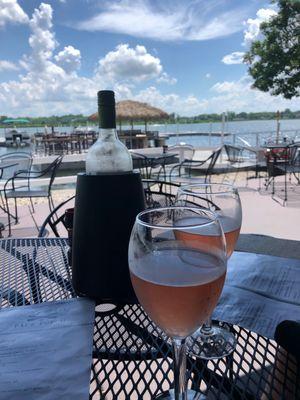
(262, 215)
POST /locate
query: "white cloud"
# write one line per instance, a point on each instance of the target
(129, 63)
(52, 83)
(7, 66)
(227, 95)
(252, 30)
(234, 58)
(171, 102)
(69, 59)
(239, 96)
(47, 87)
(168, 20)
(10, 11)
(208, 75)
(42, 39)
(251, 33)
(166, 78)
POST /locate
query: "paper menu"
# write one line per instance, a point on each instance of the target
(46, 350)
(260, 291)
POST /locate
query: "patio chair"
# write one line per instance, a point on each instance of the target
(143, 164)
(185, 152)
(234, 159)
(289, 167)
(234, 153)
(55, 219)
(22, 162)
(253, 161)
(183, 171)
(243, 158)
(273, 162)
(13, 190)
(159, 193)
(149, 167)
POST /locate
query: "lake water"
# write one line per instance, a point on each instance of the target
(253, 132)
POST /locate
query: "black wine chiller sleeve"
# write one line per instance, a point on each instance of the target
(105, 211)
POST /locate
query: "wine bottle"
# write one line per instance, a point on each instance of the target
(108, 198)
(108, 155)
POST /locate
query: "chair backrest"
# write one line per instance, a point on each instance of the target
(159, 193)
(23, 162)
(212, 162)
(234, 153)
(143, 164)
(56, 218)
(52, 170)
(185, 151)
(294, 154)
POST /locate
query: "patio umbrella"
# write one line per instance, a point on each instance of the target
(129, 110)
(15, 121)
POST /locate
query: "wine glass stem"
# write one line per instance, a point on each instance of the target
(179, 349)
(206, 328)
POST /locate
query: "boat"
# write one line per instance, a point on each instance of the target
(16, 138)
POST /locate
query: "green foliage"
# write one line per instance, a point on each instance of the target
(54, 120)
(274, 61)
(242, 116)
(81, 120)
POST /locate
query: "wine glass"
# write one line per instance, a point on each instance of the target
(177, 262)
(214, 341)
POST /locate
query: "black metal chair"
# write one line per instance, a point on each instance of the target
(184, 152)
(21, 161)
(14, 191)
(275, 158)
(55, 219)
(234, 154)
(159, 193)
(252, 161)
(290, 166)
(234, 160)
(143, 164)
(183, 170)
(243, 158)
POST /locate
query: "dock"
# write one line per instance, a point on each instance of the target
(192, 133)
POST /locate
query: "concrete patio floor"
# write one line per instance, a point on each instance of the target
(261, 213)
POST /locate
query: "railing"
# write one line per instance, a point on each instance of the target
(261, 137)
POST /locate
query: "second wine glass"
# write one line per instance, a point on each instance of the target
(214, 341)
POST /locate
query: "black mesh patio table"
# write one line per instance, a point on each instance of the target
(132, 359)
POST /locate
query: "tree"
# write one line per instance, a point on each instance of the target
(274, 61)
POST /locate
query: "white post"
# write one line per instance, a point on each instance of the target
(177, 129)
(222, 129)
(278, 126)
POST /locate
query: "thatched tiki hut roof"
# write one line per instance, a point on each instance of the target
(129, 110)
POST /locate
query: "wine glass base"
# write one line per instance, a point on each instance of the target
(218, 343)
(191, 395)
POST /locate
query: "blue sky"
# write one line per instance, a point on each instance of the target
(182, 56)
